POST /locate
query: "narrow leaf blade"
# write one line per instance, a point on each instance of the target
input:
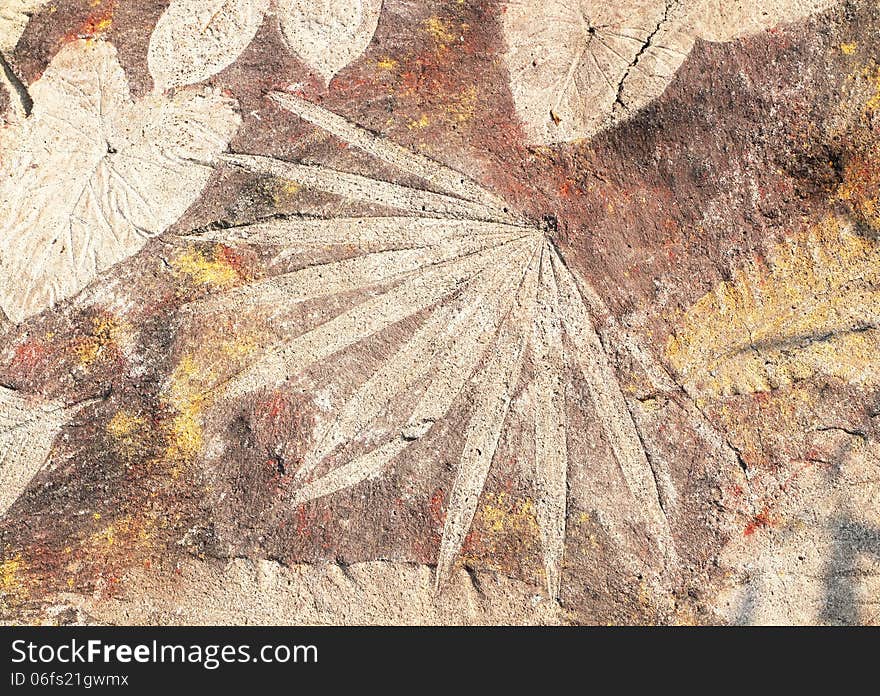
(371, 316)
(494, 386)
(443, 178)
(366, 189)
(551, 452)
(611, 407)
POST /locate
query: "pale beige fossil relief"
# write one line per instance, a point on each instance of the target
(494, 293)
(14, 16)
(194, 39)
(373, 592)
(330, 34)
(86, 179)
(28, 427)
(493, 290)
(89, 176)
(810, 307)
(577, 67)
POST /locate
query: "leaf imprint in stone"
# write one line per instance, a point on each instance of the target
(579, 66)
(194, 40)
(90, 176)
(328, 34)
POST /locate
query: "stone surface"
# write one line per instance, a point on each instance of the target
(333, 313)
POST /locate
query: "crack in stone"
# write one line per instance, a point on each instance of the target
(852, 432)
(618, 99)
(798, 342)
(724, 439)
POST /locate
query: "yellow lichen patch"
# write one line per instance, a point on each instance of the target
(105, 538)
(282, 191)
(125, 532)
(859, 97)
(186, 392)
(98, 22)
(207, 267)
(291, 188)
(123, 425)
(505, 537)
(871, 75)
(586, 521)
(106, 331)
(11, 583)
(185, 433)
(811, 309)
(439, 30)
(419, 123)
(126, 541)
(505, 514)
(386, 63)
(190, 388)
(129, 432)
(462, 108)
(860, 187)
(848, 49)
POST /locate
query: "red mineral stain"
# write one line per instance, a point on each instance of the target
(232, 258)
(304, 519)
(473, 543)
(165, 301)
(342, 83)
(28, 354)
(762, 398)
(762, 519)
(96, 23)
(435, 507)
(275, 406)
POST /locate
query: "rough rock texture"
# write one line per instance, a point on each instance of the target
(432, 342)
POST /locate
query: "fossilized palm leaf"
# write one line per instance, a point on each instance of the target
(494, 306)
(27, 429)
(328, 34)
(578, 66)
(813, 309)
(90, 176)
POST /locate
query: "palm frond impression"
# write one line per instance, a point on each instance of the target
(488, 289)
